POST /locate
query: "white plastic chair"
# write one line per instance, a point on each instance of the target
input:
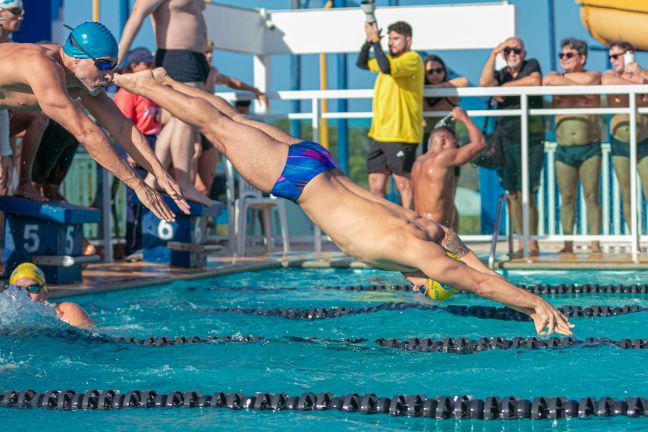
(240, 203)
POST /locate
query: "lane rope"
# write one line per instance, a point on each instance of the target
(484, 312)
(438, 407)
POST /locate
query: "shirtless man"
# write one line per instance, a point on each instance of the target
(627, 74)
(51, 77)
(578, 136)
(29, 125)
(181, 39)
(375, 231)
(433, 176)
(30, 278)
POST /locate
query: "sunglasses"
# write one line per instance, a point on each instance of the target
(615, 56)
(567, 55)
(33, 289)
(434, 71)
(101, 64)
(508, 51)
(16, 11)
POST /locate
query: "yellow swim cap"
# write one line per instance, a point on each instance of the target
(438, 291)
(27, 271)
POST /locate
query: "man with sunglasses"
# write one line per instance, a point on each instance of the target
(626, 72)
(578, 154)
(518, 72)
(11, 18)
(64, 81)
(29, 278)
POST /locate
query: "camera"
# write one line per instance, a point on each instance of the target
(368, 7)
(628, 57)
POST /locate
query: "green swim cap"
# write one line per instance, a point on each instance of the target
(91, 39)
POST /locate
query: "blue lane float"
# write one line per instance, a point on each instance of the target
(180, 243)
(49, 234)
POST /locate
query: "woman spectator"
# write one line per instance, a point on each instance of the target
(436, 76)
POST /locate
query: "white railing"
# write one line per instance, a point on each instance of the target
(634, 237)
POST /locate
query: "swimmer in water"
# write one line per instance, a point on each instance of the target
(373, 230)
(64, 82)
(30, 278)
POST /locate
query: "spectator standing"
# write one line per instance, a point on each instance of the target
(433, 175)
(518, 72)
(397, 125)
(146, 117)
(578, 155)
(629, 73)
(181, 39)
(436, 76)
(28, 125)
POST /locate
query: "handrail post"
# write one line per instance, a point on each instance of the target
(634, 220)
(524, 105)
(315, 122)
(495, 237)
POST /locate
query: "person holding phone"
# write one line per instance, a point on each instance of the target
(626, 71)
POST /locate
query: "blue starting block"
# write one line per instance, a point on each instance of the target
(48, 234)
(180, 243)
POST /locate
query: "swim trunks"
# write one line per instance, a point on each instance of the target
(575, 155)
(183, 65)
(619, 148)
(305, 160)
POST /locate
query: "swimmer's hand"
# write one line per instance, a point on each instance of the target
(153, 201)
(171, 187)
(548, 319)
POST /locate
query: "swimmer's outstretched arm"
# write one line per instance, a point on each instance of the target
(132, 140)
(46, 79)
(74, 315)
(432, 260)
(453, 244)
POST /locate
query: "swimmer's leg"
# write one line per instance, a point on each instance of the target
(567, 177)
(240, 143)
(223, 106)
(590, 177)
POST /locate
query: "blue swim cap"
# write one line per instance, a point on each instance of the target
(94, 38)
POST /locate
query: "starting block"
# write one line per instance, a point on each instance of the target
(49, 234)
(180, 243)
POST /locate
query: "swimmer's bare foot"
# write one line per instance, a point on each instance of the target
(52, 192)
(87, 247)
(191, 193)
(134, 82)
(28, 191)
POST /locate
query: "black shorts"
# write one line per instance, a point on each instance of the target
(183, 65)
(396, 158)
(54, 156)
(511, 169)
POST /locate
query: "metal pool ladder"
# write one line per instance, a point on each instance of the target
(495, 237)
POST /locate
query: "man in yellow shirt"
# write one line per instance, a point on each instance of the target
(397, 125)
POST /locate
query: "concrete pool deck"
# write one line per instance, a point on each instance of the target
(103, 277)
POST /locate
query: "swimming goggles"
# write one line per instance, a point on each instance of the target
(32, 289)
(103, 65)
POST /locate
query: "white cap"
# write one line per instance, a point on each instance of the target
(8, 4)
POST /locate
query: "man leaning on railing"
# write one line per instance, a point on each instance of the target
(578, 154)
(518, 72)
(625, 71)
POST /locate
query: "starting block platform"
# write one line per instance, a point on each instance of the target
(49, 234)
(180, 243)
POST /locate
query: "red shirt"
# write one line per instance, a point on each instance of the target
(141, 111)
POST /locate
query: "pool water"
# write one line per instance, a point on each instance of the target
(39, 353)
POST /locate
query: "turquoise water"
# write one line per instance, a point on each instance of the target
(37, 353)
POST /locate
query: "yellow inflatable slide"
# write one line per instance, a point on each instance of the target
(610, 20)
